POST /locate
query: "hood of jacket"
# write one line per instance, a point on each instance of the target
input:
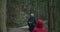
(40, 24)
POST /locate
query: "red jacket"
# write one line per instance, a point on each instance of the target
(39, 26)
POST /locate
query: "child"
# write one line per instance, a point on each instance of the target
(39, 26)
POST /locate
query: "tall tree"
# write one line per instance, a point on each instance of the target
(3, 15)
(50, 16)
(58, 15)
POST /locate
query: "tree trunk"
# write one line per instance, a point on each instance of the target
(50, 16)
(3, 16)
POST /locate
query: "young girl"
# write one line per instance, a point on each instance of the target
(39, 26)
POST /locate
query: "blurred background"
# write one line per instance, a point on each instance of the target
(15, 13)
(18, 11)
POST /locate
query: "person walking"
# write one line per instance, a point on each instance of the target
(39, 26)
(31, 22)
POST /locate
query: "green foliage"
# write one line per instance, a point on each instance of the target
(17, 9)
(57, 8)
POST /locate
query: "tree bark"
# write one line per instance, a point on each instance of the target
(50, 16)
(3, 16)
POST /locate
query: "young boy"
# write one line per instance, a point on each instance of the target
(39, 26)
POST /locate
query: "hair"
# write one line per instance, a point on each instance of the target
(32, 14)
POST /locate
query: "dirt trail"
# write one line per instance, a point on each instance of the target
(20, 29)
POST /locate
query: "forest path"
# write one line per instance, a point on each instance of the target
(20, 29)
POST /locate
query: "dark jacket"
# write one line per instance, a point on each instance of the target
(31, 21)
